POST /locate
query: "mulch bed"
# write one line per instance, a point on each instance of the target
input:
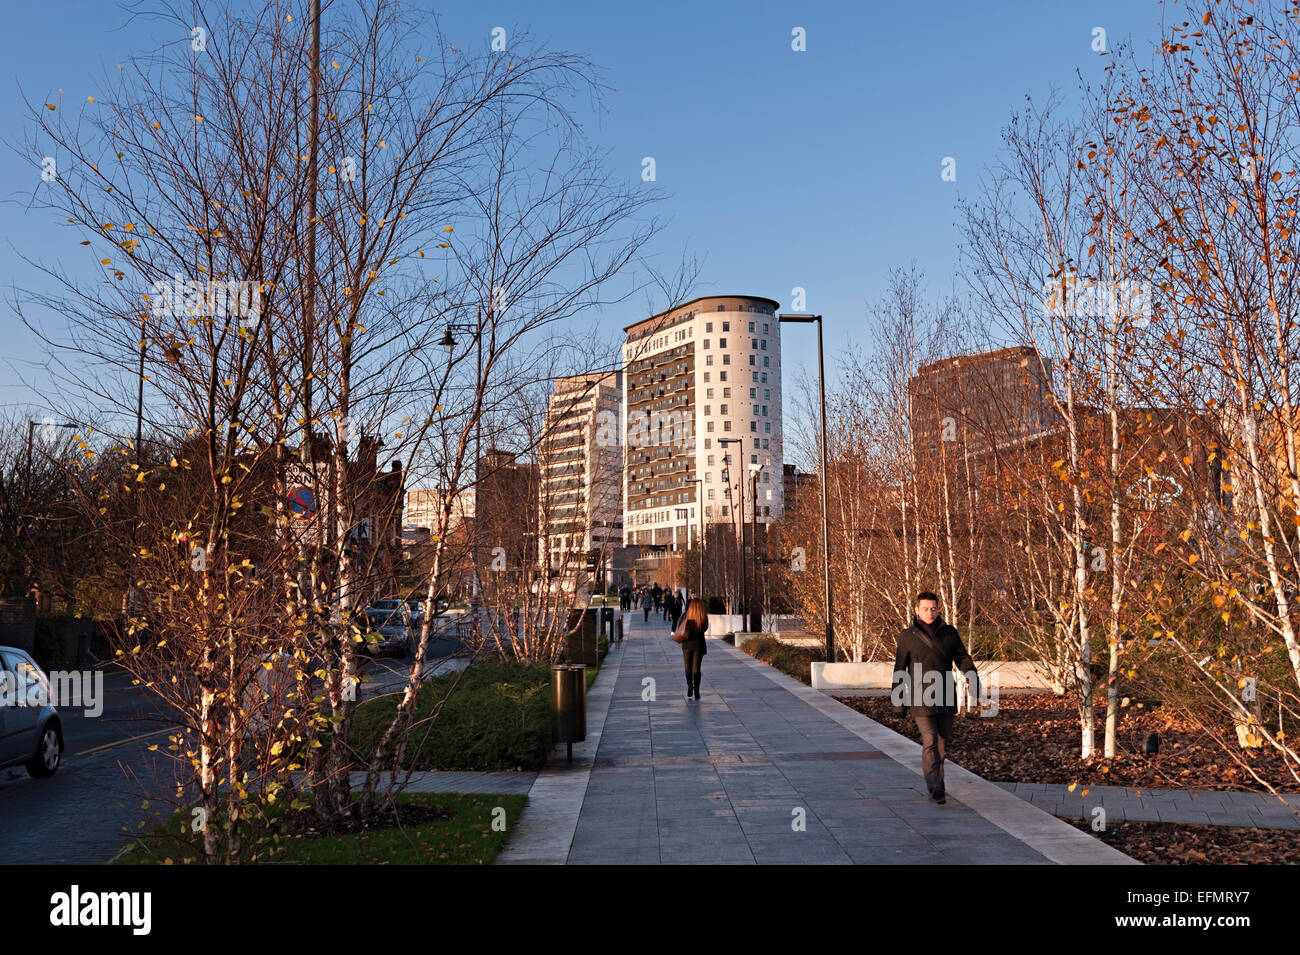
(1035, 739)
(1159, 843)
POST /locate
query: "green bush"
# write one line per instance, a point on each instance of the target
(498, 717)
(792, 661)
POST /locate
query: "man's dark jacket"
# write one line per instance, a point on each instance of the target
(935, 654)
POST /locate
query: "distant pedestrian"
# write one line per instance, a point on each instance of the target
(675, 608)
(693, 648)
(624, 597)
(927, 652)
(658, 594)
(647, 601)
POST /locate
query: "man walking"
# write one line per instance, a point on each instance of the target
(923, 682)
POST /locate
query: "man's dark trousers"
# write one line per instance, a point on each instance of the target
(935, 732)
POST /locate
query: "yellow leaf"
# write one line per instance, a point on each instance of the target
(50, 106)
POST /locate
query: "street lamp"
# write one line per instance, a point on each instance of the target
(826, 527)
(755, 612)
(449, 343)
(699, 504)
(740, 519)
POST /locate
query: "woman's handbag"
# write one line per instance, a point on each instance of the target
(679, 635)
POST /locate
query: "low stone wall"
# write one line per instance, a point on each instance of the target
(878, 675)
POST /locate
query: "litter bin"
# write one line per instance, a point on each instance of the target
(581, 644)
(569, 704)
(607, 622)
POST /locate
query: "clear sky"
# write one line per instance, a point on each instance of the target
(819, 169)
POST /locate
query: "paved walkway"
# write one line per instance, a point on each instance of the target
(1201, 807)
(761, 770)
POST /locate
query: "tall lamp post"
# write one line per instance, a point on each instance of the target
(799, 318)
(699, 504)
(726, 459)
(449, 343)
(755, 611)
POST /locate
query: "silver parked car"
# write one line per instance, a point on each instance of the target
(31, 733)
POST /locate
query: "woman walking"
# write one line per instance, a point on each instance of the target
(693, 650)
(647, 601)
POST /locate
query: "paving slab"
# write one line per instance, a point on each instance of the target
(762, 769)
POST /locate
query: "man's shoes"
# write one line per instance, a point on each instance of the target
(941, 799)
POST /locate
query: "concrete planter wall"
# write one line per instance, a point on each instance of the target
(879, 675)
(721, 624)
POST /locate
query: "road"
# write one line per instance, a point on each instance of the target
(111, 784)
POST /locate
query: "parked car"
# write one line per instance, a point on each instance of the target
(31, 733)
(392, 626)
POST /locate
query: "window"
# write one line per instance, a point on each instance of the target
(764, 361)
(722, 409)
(751, 328)
(751, 308)
(709, 426)
(755, 443)
(726, 392)
(706, 409)
(755, 374)
(753, 392)
(764, 344)
(708, 393)
(753, 426)
(726, 359)
(708, 327)
(722, 343)
(751, 359)
(767, 394)
(767, 426)
(706, 344)
(708, 443)
(764, 377)
(708, 510)
(726, 326)
(765, 328)
(726, 425)
(710, 460)
(764, 411)
(710, 494)
(719, 308)
(724, 510)
(722, 376)
(753, 342)
(765, 442)
(706, 376)
(708, 360)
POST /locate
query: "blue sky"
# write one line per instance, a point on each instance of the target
(818, 169)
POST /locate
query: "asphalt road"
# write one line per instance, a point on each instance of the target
(110, 784)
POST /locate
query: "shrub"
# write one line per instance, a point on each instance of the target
(497, 717)
(792, 661)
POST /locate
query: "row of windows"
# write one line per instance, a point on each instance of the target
(722, 376)
(722, 409)
(708, 443)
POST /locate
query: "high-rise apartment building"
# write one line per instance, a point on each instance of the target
(702, 411)
(580, 492)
